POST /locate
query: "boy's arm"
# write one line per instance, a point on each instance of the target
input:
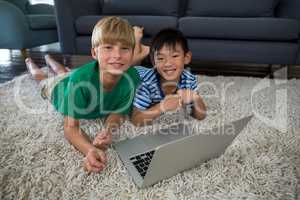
(190, 96)
(95, 159)
(113, 122)
(199, 109)
(104, 137)
(140, 118)
(75, 135)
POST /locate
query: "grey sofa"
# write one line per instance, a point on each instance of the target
(251, 31)
(25, 26)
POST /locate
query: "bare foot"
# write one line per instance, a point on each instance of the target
(138, 33)
(140, 50)
(55, 66)
(34, 70)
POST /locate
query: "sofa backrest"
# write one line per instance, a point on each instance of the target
(140, 7)
(77, 8)
(231, 8)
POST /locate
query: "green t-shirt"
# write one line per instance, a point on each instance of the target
(80, 95)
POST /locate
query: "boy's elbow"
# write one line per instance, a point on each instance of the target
(200, 110)
(70, 128)
(201, 116)
(135, 121)
(136, 117)
(139, 120)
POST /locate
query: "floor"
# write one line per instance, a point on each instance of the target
(12, 64)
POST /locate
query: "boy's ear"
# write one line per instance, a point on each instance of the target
(187, 57)
(94, 53)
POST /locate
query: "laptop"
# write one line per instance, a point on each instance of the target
(166, 152)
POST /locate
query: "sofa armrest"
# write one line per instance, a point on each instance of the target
(288, 9)
(15, 26)
(40, 9)
(67, 11)
(297, 62)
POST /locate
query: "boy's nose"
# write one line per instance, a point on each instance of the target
(168, 62)
(116, 53)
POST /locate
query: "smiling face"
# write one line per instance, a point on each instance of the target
(114, 59)
(112, 46)
(170, 61)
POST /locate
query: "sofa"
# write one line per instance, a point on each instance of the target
(25, 25)
(248, 31)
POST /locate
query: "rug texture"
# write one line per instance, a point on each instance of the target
(263, 162)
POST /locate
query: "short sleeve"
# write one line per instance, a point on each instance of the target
(194, 83)
(74, 103)
(189, 81)
(142, 98)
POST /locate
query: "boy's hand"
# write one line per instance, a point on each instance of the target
(187, 95)
(171, 102)
(95, 160)
(102, 140)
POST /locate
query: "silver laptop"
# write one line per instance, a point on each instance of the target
(162, 154)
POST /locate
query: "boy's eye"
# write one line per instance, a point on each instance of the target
(125, 48)
(175, 55)
(107, 47)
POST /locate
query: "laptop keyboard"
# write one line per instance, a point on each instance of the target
(142, 162)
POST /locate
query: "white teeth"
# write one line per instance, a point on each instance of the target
(116, 65)
(170, 72)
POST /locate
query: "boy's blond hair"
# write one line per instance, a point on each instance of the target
(111, 30)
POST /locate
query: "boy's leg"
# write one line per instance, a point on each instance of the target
(55, 66)
(34, 70)
(140, 50)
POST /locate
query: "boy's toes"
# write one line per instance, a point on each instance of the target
(34, 70)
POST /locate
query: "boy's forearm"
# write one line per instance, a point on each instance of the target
(199, 109)
(113, 122)
(78, 138)
(147, 116)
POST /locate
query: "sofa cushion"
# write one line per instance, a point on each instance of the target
(152, 24)
(139, 7)
(42, 21)
(243, 51)
(240, 28)
(231, 8)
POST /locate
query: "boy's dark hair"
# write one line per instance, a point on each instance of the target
(168, 37)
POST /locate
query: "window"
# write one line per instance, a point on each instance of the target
(42, 1)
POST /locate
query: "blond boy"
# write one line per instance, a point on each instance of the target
(100, 89)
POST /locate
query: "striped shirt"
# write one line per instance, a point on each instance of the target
(149, 91)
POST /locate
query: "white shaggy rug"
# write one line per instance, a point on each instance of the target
(36, 162)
